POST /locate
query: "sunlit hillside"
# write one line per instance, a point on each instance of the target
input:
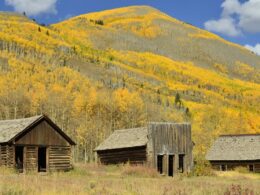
(121, 68)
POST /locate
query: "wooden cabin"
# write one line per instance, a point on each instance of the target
(231, 151)
(34, 144)
(164, 146)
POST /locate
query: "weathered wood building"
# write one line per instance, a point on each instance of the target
(34, 144)
(231, 151)
(165, 146)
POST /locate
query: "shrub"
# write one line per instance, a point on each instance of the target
(202, 168)
(99, 22)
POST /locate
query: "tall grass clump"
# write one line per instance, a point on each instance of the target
(241, 169)
(238, 190)
(7, 171)
(139, 171)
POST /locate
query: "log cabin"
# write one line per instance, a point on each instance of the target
(231, 151)
(166, 147)
(34, 144)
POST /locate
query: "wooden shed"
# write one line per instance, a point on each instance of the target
(34, 144)
(231, 151)
(164, 146)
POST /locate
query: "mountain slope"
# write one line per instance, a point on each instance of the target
(121, 68)
(145, 29)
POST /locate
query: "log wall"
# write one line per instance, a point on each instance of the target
(7, 156)
(230, 165)
(30, 159)
(59, 158)
(170, 139)
(135, 155)
(42, 134)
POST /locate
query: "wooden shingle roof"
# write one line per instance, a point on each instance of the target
(126, 138)
(235, 147)
(11, 129)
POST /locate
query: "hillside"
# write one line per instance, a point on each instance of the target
(121, 68)
(145, 29)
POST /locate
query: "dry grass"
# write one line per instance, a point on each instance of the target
(94, 179)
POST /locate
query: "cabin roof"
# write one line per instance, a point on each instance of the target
(126, 138)
(11, 129)
(235, 147)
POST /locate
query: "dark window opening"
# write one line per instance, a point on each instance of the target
(42, 159)
(19, 158)
(170, 164)
(181, 163)
(160, 163)
(251, 168)
(223, 167)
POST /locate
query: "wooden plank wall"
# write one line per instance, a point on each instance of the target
(59, 158)
(43, 134)
(136, 155)
(170, 139)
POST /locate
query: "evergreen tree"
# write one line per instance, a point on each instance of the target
(178, 101)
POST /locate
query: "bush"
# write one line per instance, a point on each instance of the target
(99, 22)
(202, 168)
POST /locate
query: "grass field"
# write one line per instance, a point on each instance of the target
(93, 179)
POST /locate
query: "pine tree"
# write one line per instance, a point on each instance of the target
(178, 101)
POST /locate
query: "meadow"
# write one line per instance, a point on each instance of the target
(94, 179)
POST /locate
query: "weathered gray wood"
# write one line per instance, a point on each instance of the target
(31, 158)
(42, 134)
(170, 139)
(35, 133)
(230, 165)
(136, 155)
(59, 158)
(162, 139)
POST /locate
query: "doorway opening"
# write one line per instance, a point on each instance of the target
(42, 165)
(181, 163)
(251, 168)
(223, 167)
(19, 158)
(170, 165)
(160, 163)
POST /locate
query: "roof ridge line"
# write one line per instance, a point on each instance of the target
(230, 135)
(36, 116)
(131, 129)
